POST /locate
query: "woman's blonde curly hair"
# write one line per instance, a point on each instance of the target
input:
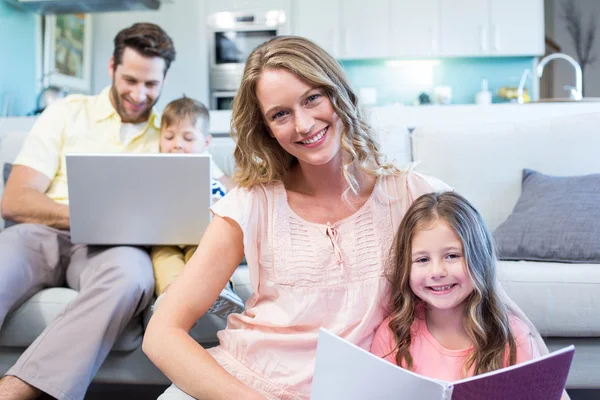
(259, 157)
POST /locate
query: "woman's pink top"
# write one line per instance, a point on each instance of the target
(305, 276)
(432, 359)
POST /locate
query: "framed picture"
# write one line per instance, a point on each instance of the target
(68, 51)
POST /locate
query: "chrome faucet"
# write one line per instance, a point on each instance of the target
(575, 94)
(521, 88)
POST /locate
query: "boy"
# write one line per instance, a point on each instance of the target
(184, 129)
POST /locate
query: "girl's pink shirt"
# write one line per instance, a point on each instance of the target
(305, 276)
(433, 360)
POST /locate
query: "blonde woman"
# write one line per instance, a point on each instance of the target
(315, 213)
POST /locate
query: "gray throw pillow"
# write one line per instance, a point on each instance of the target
(5, 174)
(556, 219)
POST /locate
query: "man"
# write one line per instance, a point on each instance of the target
(115, 284)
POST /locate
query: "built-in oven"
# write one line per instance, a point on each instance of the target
(222, 100)
(232, 37)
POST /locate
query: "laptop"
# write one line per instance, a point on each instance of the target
(138, 199)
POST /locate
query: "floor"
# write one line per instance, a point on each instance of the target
(124, 392)
(127, 392)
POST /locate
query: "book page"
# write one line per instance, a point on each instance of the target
(541, 379)
(345, 371)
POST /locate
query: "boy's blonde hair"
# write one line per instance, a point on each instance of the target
(185, 107)
(259, 157)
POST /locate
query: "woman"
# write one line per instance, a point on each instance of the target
(314, 213)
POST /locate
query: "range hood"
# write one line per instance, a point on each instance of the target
(84, 6)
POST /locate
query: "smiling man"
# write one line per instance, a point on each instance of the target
(115, 284)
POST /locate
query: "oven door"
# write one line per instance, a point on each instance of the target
(222, 100)
(234, 46)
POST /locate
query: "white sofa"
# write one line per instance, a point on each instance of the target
(482, 162)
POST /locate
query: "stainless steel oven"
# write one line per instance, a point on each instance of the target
(222, 100)
(232, 36)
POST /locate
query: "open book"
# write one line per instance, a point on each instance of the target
(345, 371)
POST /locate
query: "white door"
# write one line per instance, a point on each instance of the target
(322, 26)
(415, 27)
(464, 28)
(517, 27)
(365, 29)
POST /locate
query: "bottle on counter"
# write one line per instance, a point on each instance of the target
(484, 96)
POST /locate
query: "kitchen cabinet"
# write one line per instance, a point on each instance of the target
(361, 29)
(322, 27)
(415, 28)
(464, 27)
(491, 28)
(365, 28)
(517, 27)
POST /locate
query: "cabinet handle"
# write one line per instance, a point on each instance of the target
(335, 42)
(346, 42)
(482, 38)
(494, 37)
(434, 40)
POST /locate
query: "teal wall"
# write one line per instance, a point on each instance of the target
(401, 81)
(17, 59)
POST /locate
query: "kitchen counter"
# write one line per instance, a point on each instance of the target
(413, 116)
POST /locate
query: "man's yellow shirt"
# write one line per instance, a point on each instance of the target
(80, 124)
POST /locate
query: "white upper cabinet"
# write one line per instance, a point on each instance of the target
(415, 28)
(322, 26)
(464, 27)
(517, 27)
(365, 27)
(491, 27)
(362, 29)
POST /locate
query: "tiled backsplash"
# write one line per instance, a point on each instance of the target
(401, 81)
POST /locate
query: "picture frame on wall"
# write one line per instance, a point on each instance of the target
(68, 52)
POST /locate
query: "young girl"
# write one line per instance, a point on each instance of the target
(450, 319)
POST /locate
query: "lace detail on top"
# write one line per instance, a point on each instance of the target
(308, 254)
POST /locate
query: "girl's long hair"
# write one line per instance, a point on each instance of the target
(259, 157)
(486, 317)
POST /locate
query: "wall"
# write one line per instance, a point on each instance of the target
(17, 59)
(401, 81)
(183, 20)
(563, 72)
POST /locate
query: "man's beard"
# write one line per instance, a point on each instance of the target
(121, 109)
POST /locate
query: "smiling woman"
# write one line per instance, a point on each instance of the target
(301, 119)
(312, 189)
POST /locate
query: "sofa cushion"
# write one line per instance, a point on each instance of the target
(485, 162)
(13, 132)
(555, 219)
(26, 323)
(560, 299)
(5, 174)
